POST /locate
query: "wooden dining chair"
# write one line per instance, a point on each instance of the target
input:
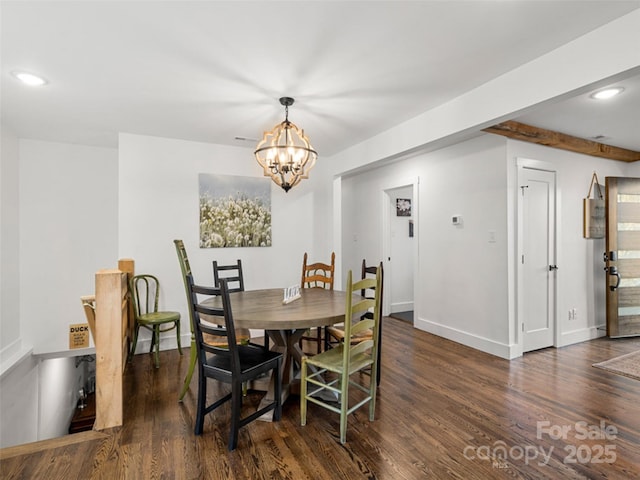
(235, 365)
(335, 334)
(317, 275)
(346, 359)
(144, 291)
(242, 335)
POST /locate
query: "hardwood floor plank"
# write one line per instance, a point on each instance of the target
(443, 411)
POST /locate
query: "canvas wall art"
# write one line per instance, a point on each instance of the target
(234, 211)
(403, 207)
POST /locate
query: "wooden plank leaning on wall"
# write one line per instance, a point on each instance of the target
(113, 325)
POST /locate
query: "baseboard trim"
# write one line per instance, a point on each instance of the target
(401, 307)
(486, 345)
(581, 335)
(13, 355)
(167, 342)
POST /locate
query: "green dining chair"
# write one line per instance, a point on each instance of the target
(145, 295)
(185, 268)
(334, 334)
(346, 359)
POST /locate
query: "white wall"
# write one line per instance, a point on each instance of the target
(18, 372)
(158, 181)
(59, 380)
(462, 287)
(68, 231)
(19, 400)
(59, 206)
(463, 284)
(38, 398)
(632, 169)
(360, 227)
(10, 338)
(322, 214)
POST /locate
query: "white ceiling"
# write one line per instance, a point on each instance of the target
(210, 71)
(614, 122)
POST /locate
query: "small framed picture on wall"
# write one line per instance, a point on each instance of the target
(403, 207)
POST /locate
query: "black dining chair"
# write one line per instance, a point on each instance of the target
(235, 364)
(232, 273)
(242, 334)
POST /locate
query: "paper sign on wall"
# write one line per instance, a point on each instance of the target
(79, 336)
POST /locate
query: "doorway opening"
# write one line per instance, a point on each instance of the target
(400, 241)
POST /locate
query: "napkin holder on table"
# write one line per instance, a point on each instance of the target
(291, 294)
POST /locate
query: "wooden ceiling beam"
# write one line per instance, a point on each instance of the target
(528, 133)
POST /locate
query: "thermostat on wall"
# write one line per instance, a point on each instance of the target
(456, 220)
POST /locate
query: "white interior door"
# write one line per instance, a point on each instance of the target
(537, 282)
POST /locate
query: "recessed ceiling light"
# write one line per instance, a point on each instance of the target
(29, 79)
(607, 93)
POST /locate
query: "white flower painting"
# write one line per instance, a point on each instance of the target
(234, 211)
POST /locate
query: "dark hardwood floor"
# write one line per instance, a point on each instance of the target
(443, 411)
(407, 316)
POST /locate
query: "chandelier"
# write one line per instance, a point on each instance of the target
(285, 153)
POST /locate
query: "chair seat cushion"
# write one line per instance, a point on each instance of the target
(250, 358)
(158, 317)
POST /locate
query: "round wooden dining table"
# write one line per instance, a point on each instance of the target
(285, 323)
